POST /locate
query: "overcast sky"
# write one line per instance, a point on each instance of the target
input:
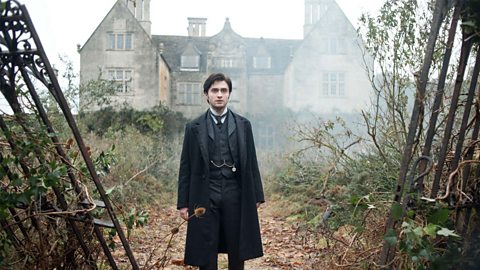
(62, 24)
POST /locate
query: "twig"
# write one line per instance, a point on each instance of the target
(140, 172)
(355, 235)
(163, 260)
(452, 175)
(92, 207)
(160, 242)
(349, 246)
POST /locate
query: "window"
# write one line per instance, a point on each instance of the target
(120, 41)
(122, 78)
(333, 84)
(190, 62)
(334, 46)
(266, 135)
(262, 62)
(190, 59)
(226, 62)
(234, 101)
(128, 41)
(189, 93)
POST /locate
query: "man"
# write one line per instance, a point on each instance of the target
(219, 171)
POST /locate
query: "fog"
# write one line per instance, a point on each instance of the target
(286, 73)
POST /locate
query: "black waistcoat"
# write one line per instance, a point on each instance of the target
(220, 153)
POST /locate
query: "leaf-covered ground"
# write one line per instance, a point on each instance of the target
(287, 244)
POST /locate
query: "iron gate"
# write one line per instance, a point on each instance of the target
(453, 180)
(24, 71)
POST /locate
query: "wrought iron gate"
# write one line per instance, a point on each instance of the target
(24, 71)
(453, 180)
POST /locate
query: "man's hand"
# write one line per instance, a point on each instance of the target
(183, 213)
(258, 204)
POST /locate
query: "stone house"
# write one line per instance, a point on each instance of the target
(322, 73)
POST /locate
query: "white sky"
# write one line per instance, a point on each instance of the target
(62, 24)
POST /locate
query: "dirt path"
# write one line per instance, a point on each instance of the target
(286, 244)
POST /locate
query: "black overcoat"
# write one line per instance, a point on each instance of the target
(193, 187)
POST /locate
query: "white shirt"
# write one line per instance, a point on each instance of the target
(223, 114)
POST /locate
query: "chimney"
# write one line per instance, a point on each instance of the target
(314, 10)
(197, 27)
(141, 11)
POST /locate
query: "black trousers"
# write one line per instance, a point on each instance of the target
(224, 221)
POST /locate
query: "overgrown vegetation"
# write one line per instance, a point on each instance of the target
(137, 151)
(135, 155)
(340, 184)
(346, 192)
(33, 175)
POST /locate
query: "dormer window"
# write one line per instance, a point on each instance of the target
(190, 59)
(261, 59)
(262, 62)
(190, 62)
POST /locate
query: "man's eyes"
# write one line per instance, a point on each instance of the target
(215, 90)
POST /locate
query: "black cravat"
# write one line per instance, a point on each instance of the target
(219, 120)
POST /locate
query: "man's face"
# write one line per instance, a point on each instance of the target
(218, 95)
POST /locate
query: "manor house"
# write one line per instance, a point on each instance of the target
(323, 73)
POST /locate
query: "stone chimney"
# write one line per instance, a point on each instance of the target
(314, 10)
(141, 11)
(197, 27)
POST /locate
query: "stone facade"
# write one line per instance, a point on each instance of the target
(121, 49)
(322, 73)
(326, 74)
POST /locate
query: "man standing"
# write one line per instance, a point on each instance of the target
(219, 171)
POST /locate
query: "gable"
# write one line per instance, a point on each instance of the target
(173, 47)
(118, 19)
(280, 51)
(333, 34)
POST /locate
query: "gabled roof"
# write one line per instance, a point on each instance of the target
(226, 31)
(280, 50)
(333, 10)
(118, 5)
(262, 49)
(174, 46)
(191, 49)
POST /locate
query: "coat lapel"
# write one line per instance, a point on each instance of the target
(209, 123)
(231, 123)
(202, 136)
(242, 141)
(204, 130)
(233, 140)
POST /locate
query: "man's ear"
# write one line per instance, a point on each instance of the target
(206, 97)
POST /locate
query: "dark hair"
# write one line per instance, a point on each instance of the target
(216, 77)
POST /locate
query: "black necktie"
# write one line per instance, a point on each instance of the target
(219, 120)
